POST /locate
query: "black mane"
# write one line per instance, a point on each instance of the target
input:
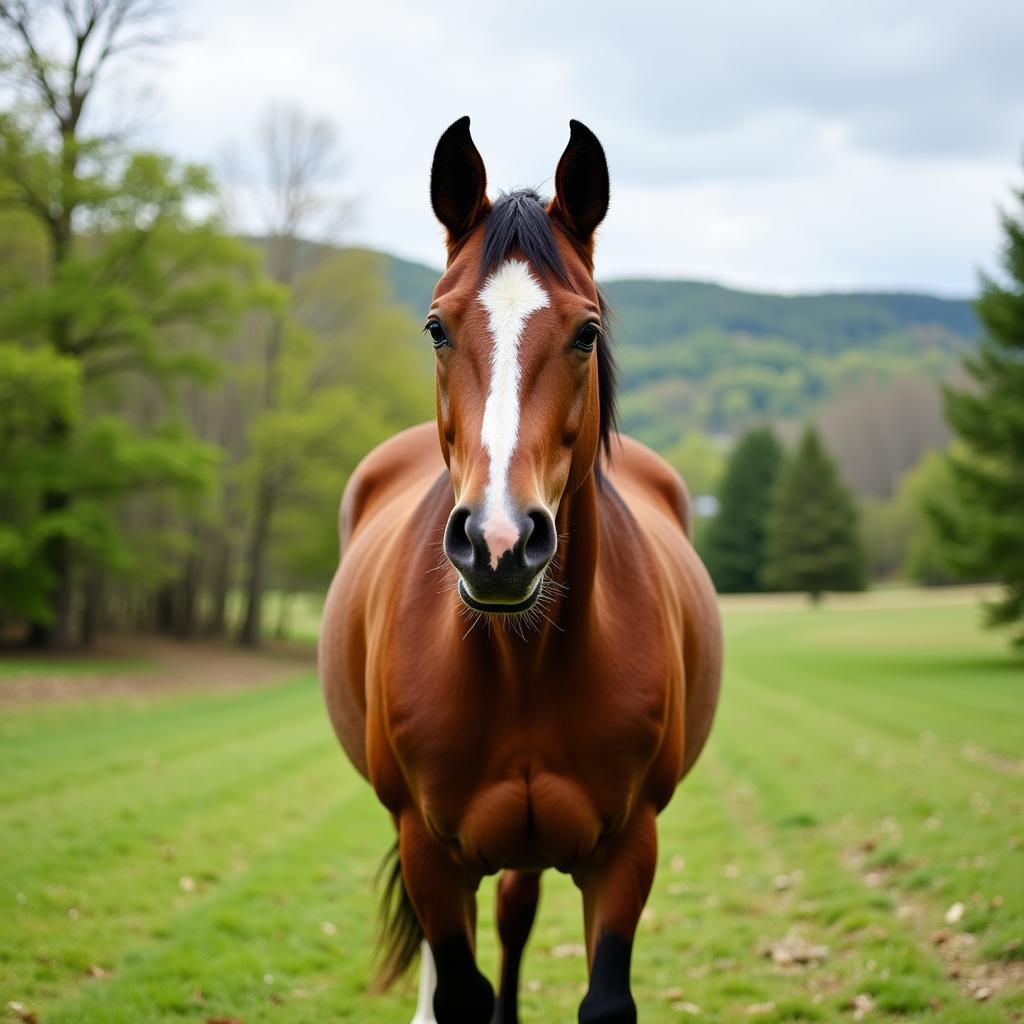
(518, 224)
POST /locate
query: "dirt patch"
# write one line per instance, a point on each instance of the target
(150, 667)
(980, 980)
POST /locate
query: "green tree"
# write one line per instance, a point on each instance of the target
(984, 535)
(128, 292)
(346, 377)
(734, 548)
(929, 485)
(813, 542)
(700, 463)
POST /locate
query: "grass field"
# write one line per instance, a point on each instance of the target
(209, 856)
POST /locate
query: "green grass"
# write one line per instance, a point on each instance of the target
(204, 856)
(13, 666)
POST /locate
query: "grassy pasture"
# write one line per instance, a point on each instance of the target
(198, 856)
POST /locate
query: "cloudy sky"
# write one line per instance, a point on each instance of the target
(784, 146)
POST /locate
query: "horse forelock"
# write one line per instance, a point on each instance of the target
(519, 227)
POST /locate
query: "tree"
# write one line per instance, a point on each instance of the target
(130, 289)
(929, 485)
(877, 429)
(700, 463)
(734, 549)
(985, 536)
(297, 156)
(812, 541)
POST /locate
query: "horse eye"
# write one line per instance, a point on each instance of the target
(436, 332)
(587, 338)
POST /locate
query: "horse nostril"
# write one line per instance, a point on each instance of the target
(540, 539)
(457, 545)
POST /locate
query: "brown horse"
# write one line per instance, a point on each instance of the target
(521, 650)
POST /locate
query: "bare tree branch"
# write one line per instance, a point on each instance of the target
(17, 16)
(97, 31)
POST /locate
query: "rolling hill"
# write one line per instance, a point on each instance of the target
(699, 356)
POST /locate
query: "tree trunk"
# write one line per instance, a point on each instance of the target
(185, 626)
(283, 616)
(164, 610)
(216, 624)
(56, 633)
(92, 608)
(251, 631)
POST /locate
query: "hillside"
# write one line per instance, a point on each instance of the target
(702, 357)
(697, 356)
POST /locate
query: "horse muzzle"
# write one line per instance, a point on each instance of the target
(500, 560)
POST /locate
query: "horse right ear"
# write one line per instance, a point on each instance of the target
(458, 182)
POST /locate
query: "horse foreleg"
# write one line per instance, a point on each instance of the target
(518, 893)
(444, 898)
(614, 893)
(428, 985)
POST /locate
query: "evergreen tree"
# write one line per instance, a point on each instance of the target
(734, 551)
(983, 534)
(813, 542)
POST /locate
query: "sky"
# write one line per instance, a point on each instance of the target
(790, 146)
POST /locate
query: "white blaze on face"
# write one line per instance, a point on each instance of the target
(510, 295)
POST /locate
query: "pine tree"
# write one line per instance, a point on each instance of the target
(982, 529)
(813, 542)
(734, 551)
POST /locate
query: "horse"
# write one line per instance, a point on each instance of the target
(520, 650)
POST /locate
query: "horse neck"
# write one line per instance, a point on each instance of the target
(565, 611)
(579, 528)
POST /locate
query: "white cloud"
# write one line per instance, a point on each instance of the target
(795, 145)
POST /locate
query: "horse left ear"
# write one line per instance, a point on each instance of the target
(458, 182)
(581, 184)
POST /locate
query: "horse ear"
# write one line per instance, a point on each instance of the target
(458, 182)
(581, 184)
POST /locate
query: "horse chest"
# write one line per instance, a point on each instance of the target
(505, 786)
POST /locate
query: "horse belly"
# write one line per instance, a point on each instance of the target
(532, 822)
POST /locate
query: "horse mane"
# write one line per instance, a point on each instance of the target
(518, 224)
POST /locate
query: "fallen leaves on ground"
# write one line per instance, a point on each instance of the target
(955, 913)
(691, 1008)
(862, 1004)
(568, 949)
(794, 950)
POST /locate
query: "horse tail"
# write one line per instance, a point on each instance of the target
(400, 932)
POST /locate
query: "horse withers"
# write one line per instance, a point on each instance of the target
(521, 649)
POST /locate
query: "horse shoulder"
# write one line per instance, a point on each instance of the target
(394, 466)
(371, 506)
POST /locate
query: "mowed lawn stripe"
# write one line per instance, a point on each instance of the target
(39, 743)
(868, 647)
(153, 800)
(939, 831)
(184, 827)
(836, 728)
(907, 699)
(290, 939)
